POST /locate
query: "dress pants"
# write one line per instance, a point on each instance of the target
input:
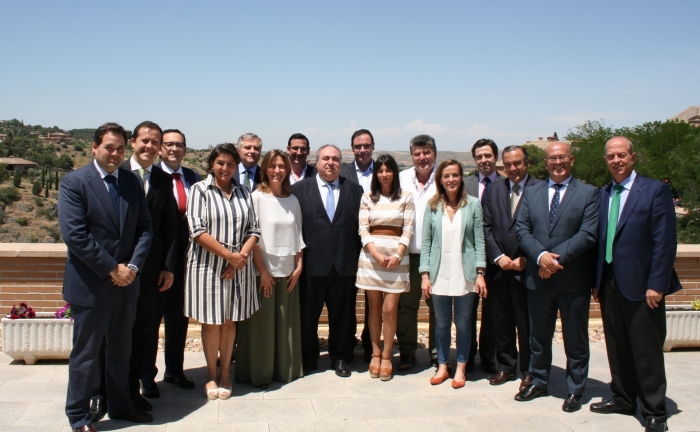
(634, 338)
(110, 320)
(486, 345)
(574, 307)
(140, 335)
(170, 306)
(509, 312)
(407, 316)
(338, 293)
(365, 337)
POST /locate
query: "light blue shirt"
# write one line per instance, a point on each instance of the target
(251, 176)
(104, 174)
(323, 189)
(365, 177)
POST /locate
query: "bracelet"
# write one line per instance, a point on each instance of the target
(398, 256)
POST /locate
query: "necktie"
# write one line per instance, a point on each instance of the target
(142, 173)
(181, 195)
(330, 202)
(514, 199)
(487, 182)
(612, 223)
(246, 180)
(554, 204)
(113, 189)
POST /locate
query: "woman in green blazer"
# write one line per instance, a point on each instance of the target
(452, 262)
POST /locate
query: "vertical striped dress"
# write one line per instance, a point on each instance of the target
(399, 213)
(209, 298)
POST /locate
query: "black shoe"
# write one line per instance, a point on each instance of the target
(149, 389)
(367, 357)
(86, 428)
(98, 409)
(406, 362)
(613, 406)
(489, 367)
(181, 380)
(572, 403)
(133, 415)
(341, 368)
(434, 362)
(530, 393)
(308, 369)
(470, 366)
(655, 425)
(140, 403)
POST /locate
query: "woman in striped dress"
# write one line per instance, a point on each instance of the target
(220, 285)
(386, 227)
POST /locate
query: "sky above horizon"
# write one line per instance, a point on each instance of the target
(457, 70)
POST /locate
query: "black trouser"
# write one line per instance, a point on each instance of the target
(574, 307)
(509, 312)
(170, 305)
(486, 345)
(338, 293)
(140, 334)
(366, 339)
(634, 338)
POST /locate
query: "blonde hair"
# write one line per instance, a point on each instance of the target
(264, 185)
(440, 193)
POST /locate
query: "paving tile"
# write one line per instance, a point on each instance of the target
(448, 406)
(28, 373)
(304, 389)
(33, 391)
(587, 421)
(231, 427)
(44, 414)
(445, 424)
(279, 410)
(404, 386)
(322, 426)
(188, 411)
(359, 408)
(10, 411)
(536, 422)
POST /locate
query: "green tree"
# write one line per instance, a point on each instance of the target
(36, 188)
(46, 193)
(65, 162)
(4, 174)
(43, 177)
(538, 168)
(16, 178)
(55, 183)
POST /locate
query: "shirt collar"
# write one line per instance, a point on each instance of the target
(566, 182)
(322, 182)
(627, 183)
(493, 176)
(521, 183)
(370, 168)
(169, 170)
(242, 168)
(104, 173)
(135, 165)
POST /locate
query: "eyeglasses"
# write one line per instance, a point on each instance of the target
(174, 144)
(560, 158)
(299, 149)
(362, 146)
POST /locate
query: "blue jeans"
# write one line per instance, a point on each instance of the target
(442, 306)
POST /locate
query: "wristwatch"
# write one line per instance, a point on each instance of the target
(133, 268)
(481, 272)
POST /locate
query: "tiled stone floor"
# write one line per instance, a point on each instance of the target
(32, 399)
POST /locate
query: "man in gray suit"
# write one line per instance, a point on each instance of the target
(485, 154)
(360, 172)
(557, 227)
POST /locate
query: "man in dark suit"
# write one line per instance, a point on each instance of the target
(158, 271)
(298, 150)
(485, 154)
(360, 171)
(557, 227)
(249, 149)
(507, 292)
(106, 226)
(329, 206)
(170, 303)
(637, 232)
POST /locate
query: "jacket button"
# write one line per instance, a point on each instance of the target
(550, 236)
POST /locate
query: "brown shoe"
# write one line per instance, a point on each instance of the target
(374, 370)
(526, 381)
(501, 378)
(385, 373)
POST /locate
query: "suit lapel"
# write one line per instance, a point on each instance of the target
(124, 203)
(632, 199)
(315, 196)
(342, 198)
(604, 206)
(505, 199)
(568, 197)
(98, 186)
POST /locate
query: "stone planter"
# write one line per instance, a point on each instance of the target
(40, 338)
(682, 328)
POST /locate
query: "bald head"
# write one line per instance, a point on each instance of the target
(560, 161)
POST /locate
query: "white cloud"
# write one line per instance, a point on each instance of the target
(309, 130)
(430, 128)
(349, 130)
(484, 131)
(390, 131)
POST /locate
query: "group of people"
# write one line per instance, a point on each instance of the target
(254, 252)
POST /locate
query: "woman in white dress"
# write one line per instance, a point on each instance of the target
(452, 262)
(386, 227)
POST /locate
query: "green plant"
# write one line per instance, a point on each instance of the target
(22, 221)
(695, 305)
(36, 188)
(8, 194)
(53, 232)
(33, 238)
(3, 172)
(39, 201)
(2, 216)
(55, 183)
(46, 213)
(46, 193)
(16, 179)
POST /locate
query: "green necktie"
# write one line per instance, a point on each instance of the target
(246, 180)
(612, 223)
(142, 173)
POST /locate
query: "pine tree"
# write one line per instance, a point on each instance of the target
(55, 183)
(46, 193)
(43, 177)
(16, 179)
(36, 188)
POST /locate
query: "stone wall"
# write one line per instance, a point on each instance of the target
(33, 273)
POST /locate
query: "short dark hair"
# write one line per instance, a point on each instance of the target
(376, 188)
(300, 136)
(513, 148)
(109, 127)
(184, 140)
(485, 142)
(361, 132)
(146, 124)
(422, 141)
(225, 148)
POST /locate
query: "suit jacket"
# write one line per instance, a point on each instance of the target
(330, 244)
(573, 235)
(164, 216)
(472, 229)
(97, 238)
(350, 172)
(472, 184)
(499, 225)
(644, 247)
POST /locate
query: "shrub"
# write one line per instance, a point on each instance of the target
(53, 232)
(3, 172)
(16, 179)
(22, 221)
(2, 216)
(47, 214)
(78, 147)
(32, 238)
(36, 188)
(31, 173)
(8, 194)
(39, 201)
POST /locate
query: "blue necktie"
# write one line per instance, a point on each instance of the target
(487, 182)
(555, 203)
(330, 202)
(113, 188)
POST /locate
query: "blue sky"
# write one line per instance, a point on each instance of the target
(459, 70)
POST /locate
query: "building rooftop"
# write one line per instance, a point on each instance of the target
(16, 161)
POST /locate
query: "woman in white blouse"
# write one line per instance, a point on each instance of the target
(452, 261)
(269, 343)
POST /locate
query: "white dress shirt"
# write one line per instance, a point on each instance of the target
(293, 178)
(551, 190)
(624, 193)
(522, 184)
(104, 174)
(323, 189)
(135, 167)
(421, 196)
(170, 171)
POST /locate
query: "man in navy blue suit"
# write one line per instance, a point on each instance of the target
(106, 226)
(637, 232)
